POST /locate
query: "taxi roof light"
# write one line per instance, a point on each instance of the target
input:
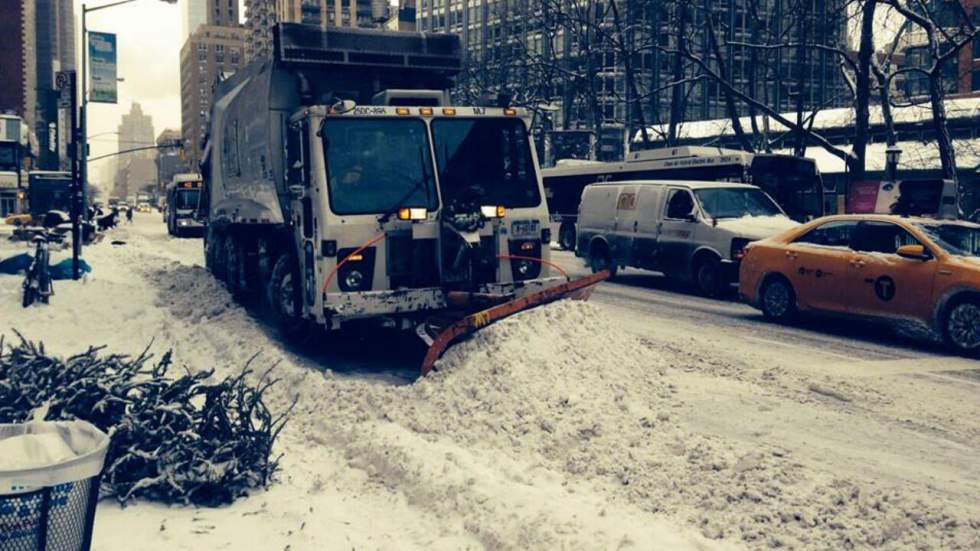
(412, 213)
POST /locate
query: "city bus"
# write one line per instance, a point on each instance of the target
(793, 182)
(183, 212)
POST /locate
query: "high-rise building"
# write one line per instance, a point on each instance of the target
(211, 53)
(960, 74)
(18, 73)
(262, 15)
(170, 161)
(222, 13)
(137, 169)
(522, 50)
(55, 51)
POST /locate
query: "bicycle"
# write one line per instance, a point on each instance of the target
(37, 283)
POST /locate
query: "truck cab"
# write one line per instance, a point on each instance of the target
(342, 185)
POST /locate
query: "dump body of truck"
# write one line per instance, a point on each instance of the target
(341, 185)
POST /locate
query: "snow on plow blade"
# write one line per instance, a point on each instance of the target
(579, 289)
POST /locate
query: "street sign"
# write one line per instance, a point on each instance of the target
(102, 74)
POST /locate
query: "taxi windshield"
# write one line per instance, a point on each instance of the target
(736, 202)
(958, 239)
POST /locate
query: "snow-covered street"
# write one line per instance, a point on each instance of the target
(645, 419)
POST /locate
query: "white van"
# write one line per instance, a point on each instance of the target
(692, 231)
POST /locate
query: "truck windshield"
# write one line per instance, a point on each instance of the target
(486, 158)
(186, 199)
(958, 239)
(736, 203)
(376, 165)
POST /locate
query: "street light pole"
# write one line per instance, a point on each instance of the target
(83, 114)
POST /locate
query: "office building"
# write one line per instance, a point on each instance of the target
(137, 169)
(211, 53)
(18, 92)
(221, 13)
(262, 15)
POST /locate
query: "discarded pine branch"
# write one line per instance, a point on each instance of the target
(176, 438)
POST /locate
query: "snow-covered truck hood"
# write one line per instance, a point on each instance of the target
(757, 227)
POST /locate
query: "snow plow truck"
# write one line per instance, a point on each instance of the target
(342, 185)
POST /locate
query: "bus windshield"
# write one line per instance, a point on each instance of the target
(185, 199)
(736, 202)
(487, 160)
(375, 166)
(793, 182)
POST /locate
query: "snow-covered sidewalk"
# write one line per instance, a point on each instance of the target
(556, 429)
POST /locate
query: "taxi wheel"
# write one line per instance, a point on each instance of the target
(961, 328)
(778, 300)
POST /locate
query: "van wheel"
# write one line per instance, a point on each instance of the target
(708, 277)
(285, 295)
(778, 300)
(566, 236)
(600, 259)
(961, 327)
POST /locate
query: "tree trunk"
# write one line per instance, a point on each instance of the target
(677, 93)
(862, 96)
(723, 72)
(943, 140)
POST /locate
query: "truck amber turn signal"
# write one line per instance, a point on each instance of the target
(492, 211)
(407, 213)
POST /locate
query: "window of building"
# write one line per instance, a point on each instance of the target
(975, 84)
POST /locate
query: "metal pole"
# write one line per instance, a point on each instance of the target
(77, 195)
(83, 169)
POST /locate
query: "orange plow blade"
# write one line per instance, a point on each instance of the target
(579, 289)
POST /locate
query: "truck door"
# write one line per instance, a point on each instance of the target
(675, 240)
(621, 237)
(300, 189)
(646, 226)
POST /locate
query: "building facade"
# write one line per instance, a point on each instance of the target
(262, 16)
(55, 51)
(18, 61)
(553, 54)
(221, 13)
(961, 75)
(137, 170)
(210, 54)
(169, 161)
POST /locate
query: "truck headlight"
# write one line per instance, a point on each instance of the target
(493, 211)
(354, 280)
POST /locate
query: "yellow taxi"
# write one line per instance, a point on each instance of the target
(921, 270)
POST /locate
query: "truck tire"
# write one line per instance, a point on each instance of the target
(286, 299)
(235, 267)
(566, 236)
(216, 250)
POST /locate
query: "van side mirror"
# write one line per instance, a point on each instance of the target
(913, 252)
(691, 217)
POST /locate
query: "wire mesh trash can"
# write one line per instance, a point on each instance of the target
(50, 507)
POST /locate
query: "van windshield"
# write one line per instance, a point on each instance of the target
(737, 203)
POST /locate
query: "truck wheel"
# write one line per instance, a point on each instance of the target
(285, 295)
(234, 267)
(216, 250)
(600, 259)
(961, 327)
(778, 300)
(566, 236)
(708, 277)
